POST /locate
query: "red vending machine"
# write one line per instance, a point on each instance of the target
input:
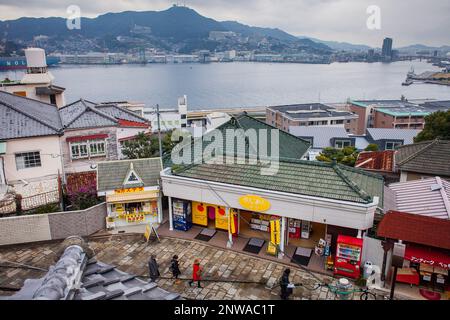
(348, 256)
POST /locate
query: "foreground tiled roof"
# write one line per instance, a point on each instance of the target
(308, 178)
(376, 160)
(74, 277)
(101, 281)
(415, 228)
(427, 197)
(111, 174)
(290, 146)
(429, 157)
(22, 117)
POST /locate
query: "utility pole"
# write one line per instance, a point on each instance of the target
(159, 130)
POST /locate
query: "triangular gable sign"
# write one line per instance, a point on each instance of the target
(132, 177)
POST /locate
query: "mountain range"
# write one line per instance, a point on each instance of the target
(176, 25)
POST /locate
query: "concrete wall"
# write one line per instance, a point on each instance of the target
(50, 160)
(52, 226)
(373, 252)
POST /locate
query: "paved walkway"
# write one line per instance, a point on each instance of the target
(130, 254)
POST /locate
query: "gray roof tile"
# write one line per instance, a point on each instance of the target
(111, 174)
(21, 117)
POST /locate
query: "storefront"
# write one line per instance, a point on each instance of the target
(131, 190)
(266, 213)
(426, 261)
(425, 267)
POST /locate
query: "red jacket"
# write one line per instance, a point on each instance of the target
(196, 273)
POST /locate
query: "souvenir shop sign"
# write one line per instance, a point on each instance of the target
(254, 203)
(129, 190)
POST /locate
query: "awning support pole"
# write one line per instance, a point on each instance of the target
(230, 235)
(170, 214)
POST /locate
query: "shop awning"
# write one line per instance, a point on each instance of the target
(132, 197)
(427, 256)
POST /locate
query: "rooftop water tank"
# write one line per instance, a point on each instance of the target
(35, 58)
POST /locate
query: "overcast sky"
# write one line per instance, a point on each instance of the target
(407, 21)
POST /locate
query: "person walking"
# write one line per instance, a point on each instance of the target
(196, 273)
(284, 282)
(175, 268)
(153, 270)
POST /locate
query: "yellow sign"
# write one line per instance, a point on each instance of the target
(275, 231)
(129, 190)
(254, 203)
(148, 231)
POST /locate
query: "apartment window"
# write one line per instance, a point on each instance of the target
(183, 116)
(28, 160)
(97, 148)
(340, 144)
(392, 145)
(337, 121)
(87, 149)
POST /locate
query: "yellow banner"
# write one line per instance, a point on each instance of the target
(275, 231)
(254, 203)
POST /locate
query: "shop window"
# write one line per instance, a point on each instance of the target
(28, 160)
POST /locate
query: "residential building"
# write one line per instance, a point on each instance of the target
(132, 190)
(394, 113)
(216, 119)
(322, 137)
(390, 139)
(169, 119)
(37, 83)
(30, 157)
(313, 114)
(424, 160)
(92, 133)
(427, 197)
(381, 162)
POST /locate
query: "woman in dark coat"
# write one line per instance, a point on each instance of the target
(153, 268)
(284, 282)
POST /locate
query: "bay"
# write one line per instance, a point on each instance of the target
(241, 84)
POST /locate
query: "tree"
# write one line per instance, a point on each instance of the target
(346, 156)
(371, 147)
(143, 146)
(140, 147)
(437, 125)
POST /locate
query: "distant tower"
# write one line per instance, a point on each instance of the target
(386, 51)
(37, 72)
(182, 110)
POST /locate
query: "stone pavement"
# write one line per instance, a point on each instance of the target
(130, 254)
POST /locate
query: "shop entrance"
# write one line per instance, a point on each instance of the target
(305, 234)
(209, 216)
(254, 225)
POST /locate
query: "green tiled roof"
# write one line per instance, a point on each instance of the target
(111, 174)
(311, 178)
(290, 146)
